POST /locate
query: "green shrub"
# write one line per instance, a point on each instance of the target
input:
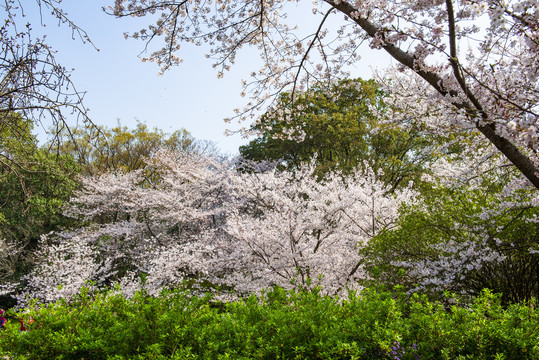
(277, 325)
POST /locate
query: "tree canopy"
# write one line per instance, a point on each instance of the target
(343, 125)
(155, 211)
(99, 149)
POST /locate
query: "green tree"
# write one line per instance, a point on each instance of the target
(463, 239)
(341, 124)
(121, 149)
(35, 183)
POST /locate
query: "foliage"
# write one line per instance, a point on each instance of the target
(120, 149)
(460, 72)
(278, 325)
(33, 193)
(339, 125)
(464, 239)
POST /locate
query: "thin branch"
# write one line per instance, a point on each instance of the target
(304, 58)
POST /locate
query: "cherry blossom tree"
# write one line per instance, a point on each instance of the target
(132, 228)
(474, 62)
(210, 225)
(294, 231)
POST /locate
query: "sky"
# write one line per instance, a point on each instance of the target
(118, 86)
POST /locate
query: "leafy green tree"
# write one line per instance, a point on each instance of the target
(120, 149)
(341, 124)
(463, 239)
(35, 183)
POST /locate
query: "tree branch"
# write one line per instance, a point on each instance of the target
(473, 108)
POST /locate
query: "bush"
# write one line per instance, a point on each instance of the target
(277, 325)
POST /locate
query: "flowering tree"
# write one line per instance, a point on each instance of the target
(481, 75)
(291, 230)
(132, 228)
(209, 224)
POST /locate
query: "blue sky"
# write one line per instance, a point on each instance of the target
(119, 86)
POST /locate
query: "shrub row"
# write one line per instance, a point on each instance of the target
(277, 325)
